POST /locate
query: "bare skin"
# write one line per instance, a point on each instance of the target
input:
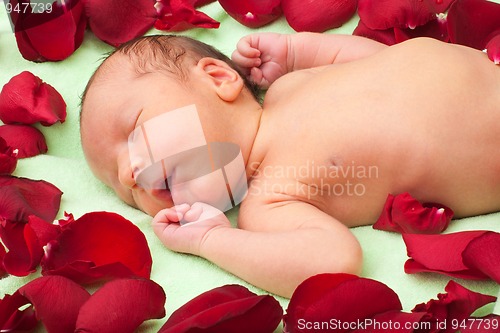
(345, 122)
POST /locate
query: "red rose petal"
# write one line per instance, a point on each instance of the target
(121, 306)
(50, 35)
(480, 325)
(25, 252)
(118, 21)
(98, 246)
(3, 272)
(385, 14)
(493, 49)
(319, 15)
(402, 213)
(441, 254)
(14, 320)
(483, 254)
(436, 29)
(473, 22)
(253, 13)
(231, 308)
(44, 231)
(22, 197)
(28, 140)
(344, 297)
(383, 36)
(57, 301)
(8, 158)
(26, 99)
(456, 305)
(179, 15)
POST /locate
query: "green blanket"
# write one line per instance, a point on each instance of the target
(183, 276)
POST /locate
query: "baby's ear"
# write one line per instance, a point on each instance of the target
(226, 81)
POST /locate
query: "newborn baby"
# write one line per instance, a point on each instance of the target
(345, 122)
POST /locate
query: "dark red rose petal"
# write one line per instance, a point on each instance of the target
(118, 21)
(441, 254)
(51, 35)
(473, 22)
(26, 99)
(493, 49)
(385, 14)
(44, 231)
(436, 29)
(14, 320)
(25, 252)
(483, 254)
(386, 36)
(28, 140)
(231, 308)
(345, 297)
(22, 197)
(130, 301)
(253, 13)
(98, 246)
(2, 255)
(319, 15)
(57, 301)
(456, 305)
(402, 213)
(179, 15)
(8, 158)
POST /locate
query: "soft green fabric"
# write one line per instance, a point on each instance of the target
(183, 276)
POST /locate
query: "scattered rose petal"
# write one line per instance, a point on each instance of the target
(483, 254)
(473, 23)
(180, 15)
(130, 301)
(456, 305)
(319, 15)
(3, 272)
(14, 320)
(345, 297)
(386, 36)
(8, 158)
(26, 99)
(57, 302)
(44, 231)
(22, 197)
(25, 251)
(231, 308)
(402, 213)
(385, 14)
(118, 21)
(493, 49)
(98, 246)
(49, 34)
(28, 140)
(441, 254)
(253, 13)
(436, 29)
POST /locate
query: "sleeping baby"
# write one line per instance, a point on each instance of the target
(177, 130)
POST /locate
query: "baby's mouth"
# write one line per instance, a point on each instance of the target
(162, 191)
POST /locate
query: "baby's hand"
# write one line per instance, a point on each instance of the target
(183, 228)
(263, 57)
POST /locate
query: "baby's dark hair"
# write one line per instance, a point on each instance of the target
(167, 53)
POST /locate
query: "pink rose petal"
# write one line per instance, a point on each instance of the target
(231, 308)
(319, 15)
(456, 305)
(345, 297)
(253, 13)
(28, 140)
(8, 158)
(119, 21)
(98, 246)
(441, 254)
(180, 15)
(402, 213)
(26, 99)
(121, 306)
(483, 254)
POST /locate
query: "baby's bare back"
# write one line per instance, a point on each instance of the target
(420, 117)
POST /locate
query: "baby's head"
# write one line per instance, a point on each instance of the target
(147, 80)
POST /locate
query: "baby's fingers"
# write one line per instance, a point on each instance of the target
(171, 215)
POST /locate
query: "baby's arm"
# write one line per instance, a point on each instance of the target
(282, 245)
(267, 56)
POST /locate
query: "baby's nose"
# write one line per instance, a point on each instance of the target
(126, 176)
